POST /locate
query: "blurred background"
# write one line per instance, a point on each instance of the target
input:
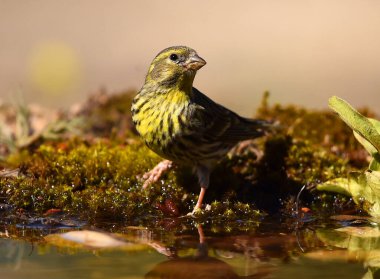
(56, 53)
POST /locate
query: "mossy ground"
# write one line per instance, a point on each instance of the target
(95, 175)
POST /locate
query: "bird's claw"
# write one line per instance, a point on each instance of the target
(195, 212)
(155, 174)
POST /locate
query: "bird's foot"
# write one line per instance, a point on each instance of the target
(195, 211)
(155, 174)
(197, 207)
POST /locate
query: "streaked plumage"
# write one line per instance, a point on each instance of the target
(182, 124)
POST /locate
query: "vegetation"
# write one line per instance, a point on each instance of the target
(363, 187)
(93, 170)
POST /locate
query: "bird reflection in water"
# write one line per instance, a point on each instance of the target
(200, 265)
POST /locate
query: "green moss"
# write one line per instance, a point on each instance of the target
(308, 163)
(98, 178)
(322, 128)
(309, 147)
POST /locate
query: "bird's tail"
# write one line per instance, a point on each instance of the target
(262, 127)
(248, 129)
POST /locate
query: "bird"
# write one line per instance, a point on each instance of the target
(183, 125)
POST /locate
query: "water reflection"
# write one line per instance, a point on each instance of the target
(196, 252)
(200, 265)
(12, 254)
(360, 243)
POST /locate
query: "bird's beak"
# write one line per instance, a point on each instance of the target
(195, 62)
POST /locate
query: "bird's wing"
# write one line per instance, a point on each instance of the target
(217, 123)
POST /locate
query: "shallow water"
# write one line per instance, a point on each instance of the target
(269, 251)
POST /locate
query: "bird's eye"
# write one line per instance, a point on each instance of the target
(173, 57)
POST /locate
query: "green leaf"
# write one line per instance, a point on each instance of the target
(362, 244)
(337, 185)
(353, 238)
(375, 123)
(375, 163)
(364, 188)
(369, 129)
(366, 144)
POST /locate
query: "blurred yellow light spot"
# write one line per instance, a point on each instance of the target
(54, 68)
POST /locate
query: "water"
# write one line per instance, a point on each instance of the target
(21, 259)
(268, 251)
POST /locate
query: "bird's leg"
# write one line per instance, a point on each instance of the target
(200, 200)
(155, 174)
(201, 234)
(203, 174)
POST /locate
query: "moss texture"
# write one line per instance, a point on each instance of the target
(96, 173)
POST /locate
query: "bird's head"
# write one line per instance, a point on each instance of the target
(175, 67)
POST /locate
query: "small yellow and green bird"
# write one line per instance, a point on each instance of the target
(183, 125)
